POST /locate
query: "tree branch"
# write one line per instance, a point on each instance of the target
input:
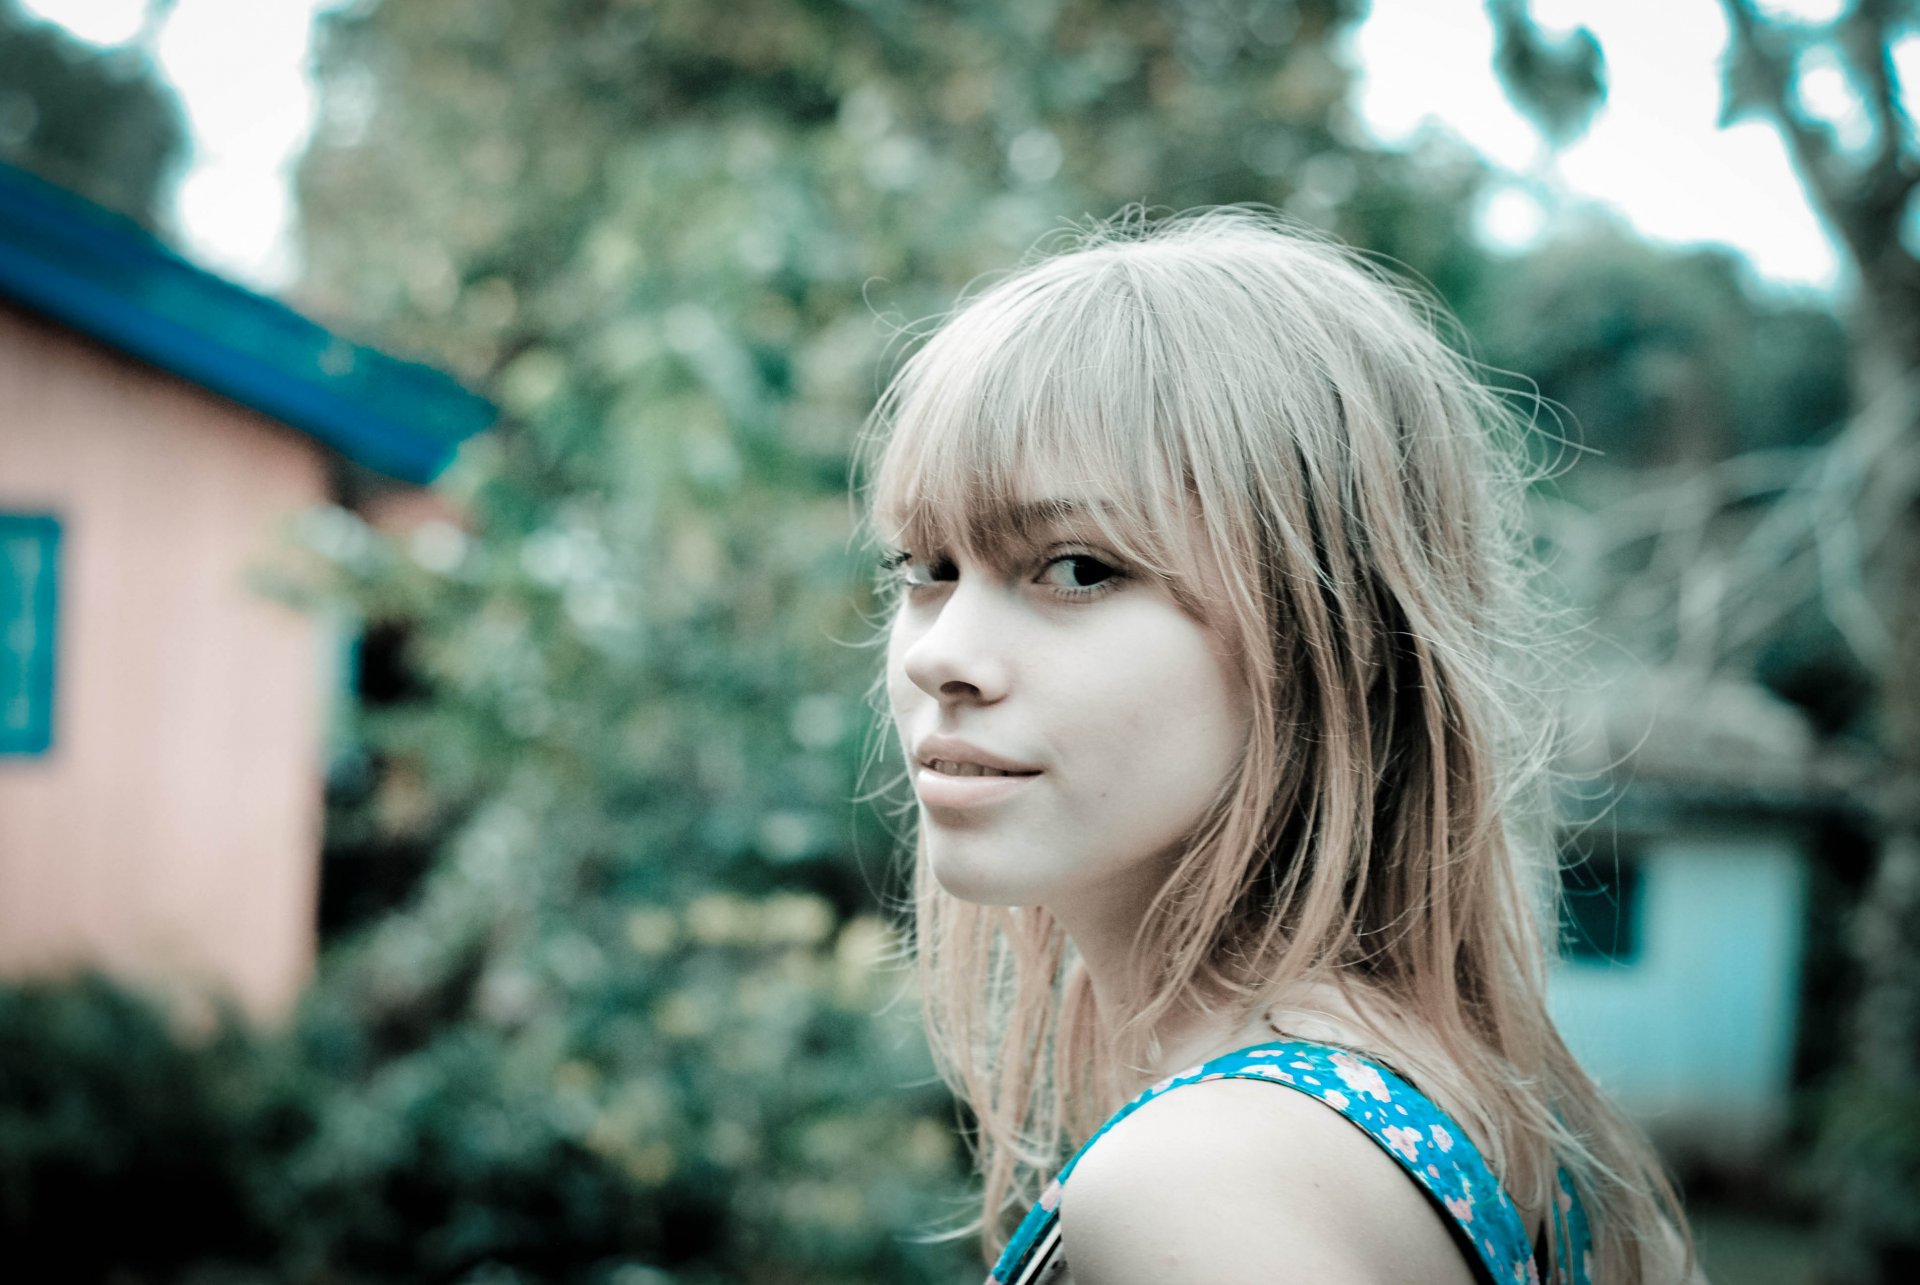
(1833, 518)
(1772, 69)
(1867, 38)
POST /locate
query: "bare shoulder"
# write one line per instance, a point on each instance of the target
(1233, 1180)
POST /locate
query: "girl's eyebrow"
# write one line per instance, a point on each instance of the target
(1011, 528)
(1026, 516)
(1017, 528)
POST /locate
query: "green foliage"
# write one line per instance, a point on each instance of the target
(102, 124)
(108, 1122)
(723, 1105)
(1661, 357)
(704, 1091)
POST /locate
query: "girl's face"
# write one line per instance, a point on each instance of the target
(1066, 723)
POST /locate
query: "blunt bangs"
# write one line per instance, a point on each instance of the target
(1042, 395)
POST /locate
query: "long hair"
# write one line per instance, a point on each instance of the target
(1258, 411)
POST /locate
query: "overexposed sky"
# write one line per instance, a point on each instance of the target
(240, 68)
(1654, 154)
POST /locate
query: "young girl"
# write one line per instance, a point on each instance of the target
(1208, 658)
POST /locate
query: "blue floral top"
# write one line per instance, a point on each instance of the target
(1423, 1139)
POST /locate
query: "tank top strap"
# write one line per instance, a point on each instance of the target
(1424, 1140)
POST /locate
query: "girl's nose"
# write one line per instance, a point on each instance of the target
(959, 650)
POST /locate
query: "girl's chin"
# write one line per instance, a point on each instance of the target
(981, 880)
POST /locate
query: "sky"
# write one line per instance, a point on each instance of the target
(239, 67)
(1654, 155)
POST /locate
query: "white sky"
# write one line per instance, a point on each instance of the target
(1655, 151)
(1654, 154)
(239, 67)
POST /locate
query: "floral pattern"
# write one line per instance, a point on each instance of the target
(1410, 1128)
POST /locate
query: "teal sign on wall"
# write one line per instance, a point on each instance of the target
(29, 600)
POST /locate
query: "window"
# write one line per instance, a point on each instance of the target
(1600, 882)
(29, 580)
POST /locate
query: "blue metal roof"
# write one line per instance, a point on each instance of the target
(106, 277)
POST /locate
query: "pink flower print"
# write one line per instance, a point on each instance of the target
(1268, 1053)
(1533, 1273)
(1462, 1209)
(1337, 1100)
(1433, 1171)
(1359, 1077)
(1050, 1198)
(1405, 1141)
(1270, 1073)
(1586, 1264)
(1441, 1138)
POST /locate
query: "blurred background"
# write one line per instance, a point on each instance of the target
(442, 837)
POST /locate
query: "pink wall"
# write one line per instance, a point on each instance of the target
(172, 832)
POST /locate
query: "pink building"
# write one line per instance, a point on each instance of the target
(161, 723)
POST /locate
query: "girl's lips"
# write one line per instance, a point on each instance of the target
(946, 790)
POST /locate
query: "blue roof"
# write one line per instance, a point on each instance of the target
(106, 277)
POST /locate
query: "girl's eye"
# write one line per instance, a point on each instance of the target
(914, 571)
(920, 573)
(1078, 573)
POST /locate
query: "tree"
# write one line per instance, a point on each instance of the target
(100, 123)
(1661, 359)
(1840, 536)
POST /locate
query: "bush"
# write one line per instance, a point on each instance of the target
(734, 1113)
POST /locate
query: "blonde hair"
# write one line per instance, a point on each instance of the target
(1355, 491)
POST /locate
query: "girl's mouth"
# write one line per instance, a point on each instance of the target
(945, 785)
(952, 767)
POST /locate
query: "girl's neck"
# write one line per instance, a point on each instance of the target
(1318, 1013)
(1196, 1027)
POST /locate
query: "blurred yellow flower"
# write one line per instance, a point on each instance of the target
(652, 931)
(680, 1016)
(795, 919)
(720, 919)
